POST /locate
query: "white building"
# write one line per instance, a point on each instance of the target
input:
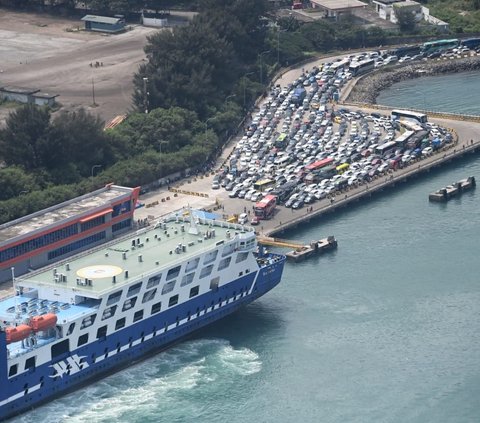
(386, 10)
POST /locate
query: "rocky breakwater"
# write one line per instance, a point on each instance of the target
(367, 88)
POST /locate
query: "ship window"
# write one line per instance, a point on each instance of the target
(194, 291)
(120, 323)
(210, 257)
(187, 279)
(60, 348)
(173, 300)
(192, 264)
(149, 295)
(206, 271)
(71, 328)
(228, 249)
(241, 257)
(88, 321)
(156, 308)
(214, 283)
(134, 289)
(114, 298)
(83, 339)
(102, 332)
(154, 281)
(168, 287)
(128, 304)
(30, 363)
(224, 263)
(138, 316)
(173, 273)
(109, 312)
(13, 370)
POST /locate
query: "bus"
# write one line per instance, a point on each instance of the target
(471, 43)
(439, 45)
(340, 65)
(262, 184)
(319, 164)
(342, 168)
(386, 148)
(406, 51)
(359, 68)
(265, 208)
(402, 140)
(408, 114)
(411, 125)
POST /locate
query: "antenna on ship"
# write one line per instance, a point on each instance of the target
(193, 230)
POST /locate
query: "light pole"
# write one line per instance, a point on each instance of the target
(244, 87)
(206, 127)
(94, 167)
(261, 65)
(145, 93)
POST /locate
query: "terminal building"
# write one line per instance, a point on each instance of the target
(60, 231)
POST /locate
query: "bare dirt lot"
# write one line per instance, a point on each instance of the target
(38, 51)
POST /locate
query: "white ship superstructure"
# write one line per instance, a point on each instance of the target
(102, 309)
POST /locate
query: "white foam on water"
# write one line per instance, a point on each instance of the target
(155, 384)
(242, 361)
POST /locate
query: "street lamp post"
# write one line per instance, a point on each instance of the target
(244, 87)
(145, 93)
(261, 65)
(95, 167)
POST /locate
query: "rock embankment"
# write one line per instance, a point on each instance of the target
(369, 87)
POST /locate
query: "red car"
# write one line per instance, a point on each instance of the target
(254, 221)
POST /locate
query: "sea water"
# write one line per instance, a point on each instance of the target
(385, 329)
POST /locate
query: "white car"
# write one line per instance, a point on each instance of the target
(427, 151)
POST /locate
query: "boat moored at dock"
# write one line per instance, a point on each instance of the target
(99, 311)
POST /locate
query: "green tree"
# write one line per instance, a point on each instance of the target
(406, 19)
(27, 129)
(14, 181)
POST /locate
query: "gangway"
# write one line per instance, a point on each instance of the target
(300, 251)
(278, 242)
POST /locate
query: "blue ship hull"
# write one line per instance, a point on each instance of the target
(120, 349)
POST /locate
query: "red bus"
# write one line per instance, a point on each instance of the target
(319, 164)
(265, 208)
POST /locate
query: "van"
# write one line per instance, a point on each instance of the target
(243, 219)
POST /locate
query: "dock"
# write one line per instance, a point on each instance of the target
(301, 251)
(450, 191)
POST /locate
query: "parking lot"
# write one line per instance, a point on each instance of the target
(302, 147)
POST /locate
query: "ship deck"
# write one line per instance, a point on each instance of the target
(97, 272)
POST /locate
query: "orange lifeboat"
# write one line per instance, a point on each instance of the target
(44, 322)
(17, 333)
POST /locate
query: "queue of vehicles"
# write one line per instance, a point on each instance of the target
(304, 151)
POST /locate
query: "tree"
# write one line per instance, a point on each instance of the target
(406, 19)
(77, 138)
(27, 128)
(14, 181)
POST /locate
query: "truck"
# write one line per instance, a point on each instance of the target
(298, 96)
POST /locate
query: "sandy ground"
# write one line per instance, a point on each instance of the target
(37, 51)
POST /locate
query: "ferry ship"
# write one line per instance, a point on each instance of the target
(103, 309)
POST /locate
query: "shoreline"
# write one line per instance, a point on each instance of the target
(367, 89)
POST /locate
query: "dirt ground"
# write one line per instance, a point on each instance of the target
(53, 55)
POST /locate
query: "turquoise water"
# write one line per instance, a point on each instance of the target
(385, 329)
(454, 93)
